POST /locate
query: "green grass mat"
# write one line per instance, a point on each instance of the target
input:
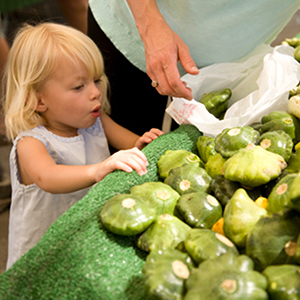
(79, 259)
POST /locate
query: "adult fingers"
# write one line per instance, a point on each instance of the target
(164, 70)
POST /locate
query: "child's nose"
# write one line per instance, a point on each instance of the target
(95, 91)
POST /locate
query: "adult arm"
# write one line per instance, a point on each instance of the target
(76, 13)
(163, 49)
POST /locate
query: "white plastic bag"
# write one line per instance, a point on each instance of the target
(260, 83)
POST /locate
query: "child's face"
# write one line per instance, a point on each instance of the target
(70, 99)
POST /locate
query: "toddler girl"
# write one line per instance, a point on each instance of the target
(56, 114)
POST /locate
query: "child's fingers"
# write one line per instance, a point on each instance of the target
(138, 164)
(153, 134)
(156, 131)
(123, 166)
(130, 164)
(139, 154)
(149, 136)
(132, 159)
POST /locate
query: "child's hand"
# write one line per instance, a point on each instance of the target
(148, 137)
(126, 160)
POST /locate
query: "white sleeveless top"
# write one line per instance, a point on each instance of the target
(214, 30)
(33, 210)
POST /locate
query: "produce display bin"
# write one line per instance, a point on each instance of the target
(78, 258)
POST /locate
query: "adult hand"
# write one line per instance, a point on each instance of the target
(163, 49)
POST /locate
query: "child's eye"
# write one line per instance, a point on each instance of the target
(97, 81)
(77, 88)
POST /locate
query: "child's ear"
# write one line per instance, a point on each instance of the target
(41, 106)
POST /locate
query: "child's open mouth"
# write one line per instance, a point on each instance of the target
(96, 112)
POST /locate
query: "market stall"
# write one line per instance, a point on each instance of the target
(80, 258)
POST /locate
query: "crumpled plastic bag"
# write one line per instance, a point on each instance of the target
(260, 83)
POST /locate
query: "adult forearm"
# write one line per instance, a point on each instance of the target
(164, 48)
(75, 12)
(145, 13)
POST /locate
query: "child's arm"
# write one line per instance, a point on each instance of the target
(37, 166)
(122, 138)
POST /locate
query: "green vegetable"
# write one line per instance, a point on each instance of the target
(297, 53)
(294, 162)
(284, 282)
(281, 120)
(78, 258)
(216, 102)
(206, 147)
(297, 254)
(203, 244)
(199, 209)
(126, 214)
(272, 240)
(295, 91)
(215, 165)
(256, 126)
(253, 166)
(294, 105)
(188, 178)
(157, 195)
(285, 194)
(240, 216)
(165, 273)
(223, 189)
(294, 42)
(165, 232)
(176, 158)
(277, 142)
(229, 276)
(231, 140)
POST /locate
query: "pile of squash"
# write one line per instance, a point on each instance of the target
(223, 223)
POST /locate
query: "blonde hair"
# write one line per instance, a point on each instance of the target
(32, 58)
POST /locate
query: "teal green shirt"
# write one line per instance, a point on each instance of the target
(215, 31)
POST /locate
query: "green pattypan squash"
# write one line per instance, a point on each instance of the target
(281, 120)
(284, 282)
(223, 189)
(228, 277)
(215, 165)
(216, 102)
(126, 214)
(285, 194)
(175, 158)
(188, 178)
(203, 244)
(240, 215)
(199, 209)
(165, 273)
(294, 162)
(157, 195)
(231, 140)
(277, 142)
(253, 166)
(206, 147)
(272, 241)
(165, 232)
